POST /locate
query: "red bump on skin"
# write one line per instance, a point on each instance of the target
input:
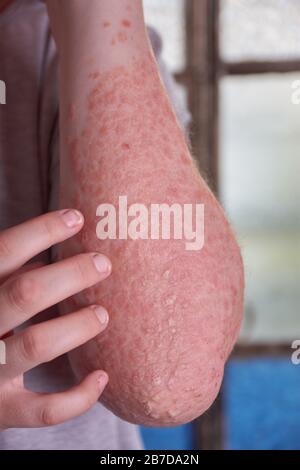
(198, 195)
(126, 23)
(106, 24)
(174, 192)
(185, 159)
(234, 291)
(125, 146)
(109, 98)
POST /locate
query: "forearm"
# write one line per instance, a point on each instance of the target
(98, 46)
(112, 100)
(81, 20)
(93, 40)
(113, 105)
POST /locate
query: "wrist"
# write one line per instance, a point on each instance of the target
(72, 20)
(98, 38)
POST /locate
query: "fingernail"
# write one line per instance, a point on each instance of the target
(102, 263)
(101, 314)
(102, 379)
(72, 218)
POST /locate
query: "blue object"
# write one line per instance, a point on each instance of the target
(261, 404)
(178, 438)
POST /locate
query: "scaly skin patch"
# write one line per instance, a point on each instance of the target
(174, 314)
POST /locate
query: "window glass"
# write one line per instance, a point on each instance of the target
(260, 29)
(167, 17)
(259, 175)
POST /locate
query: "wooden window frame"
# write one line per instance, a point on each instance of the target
(201, 77)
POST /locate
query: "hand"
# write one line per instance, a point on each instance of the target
(23, 295)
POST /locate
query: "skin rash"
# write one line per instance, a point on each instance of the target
(174, 314)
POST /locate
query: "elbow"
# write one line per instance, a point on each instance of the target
(168, 401)
(185, 404)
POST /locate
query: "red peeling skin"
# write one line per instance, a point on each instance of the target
(174, 314)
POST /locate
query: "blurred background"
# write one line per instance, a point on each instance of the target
(237, 62)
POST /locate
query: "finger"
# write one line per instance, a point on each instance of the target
(32, 410)
(23, 269)
(27, 267)
(7, 335)
(21, 243)
(45, 341)
(37, 290)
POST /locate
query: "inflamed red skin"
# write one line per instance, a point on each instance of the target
(174, 314)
